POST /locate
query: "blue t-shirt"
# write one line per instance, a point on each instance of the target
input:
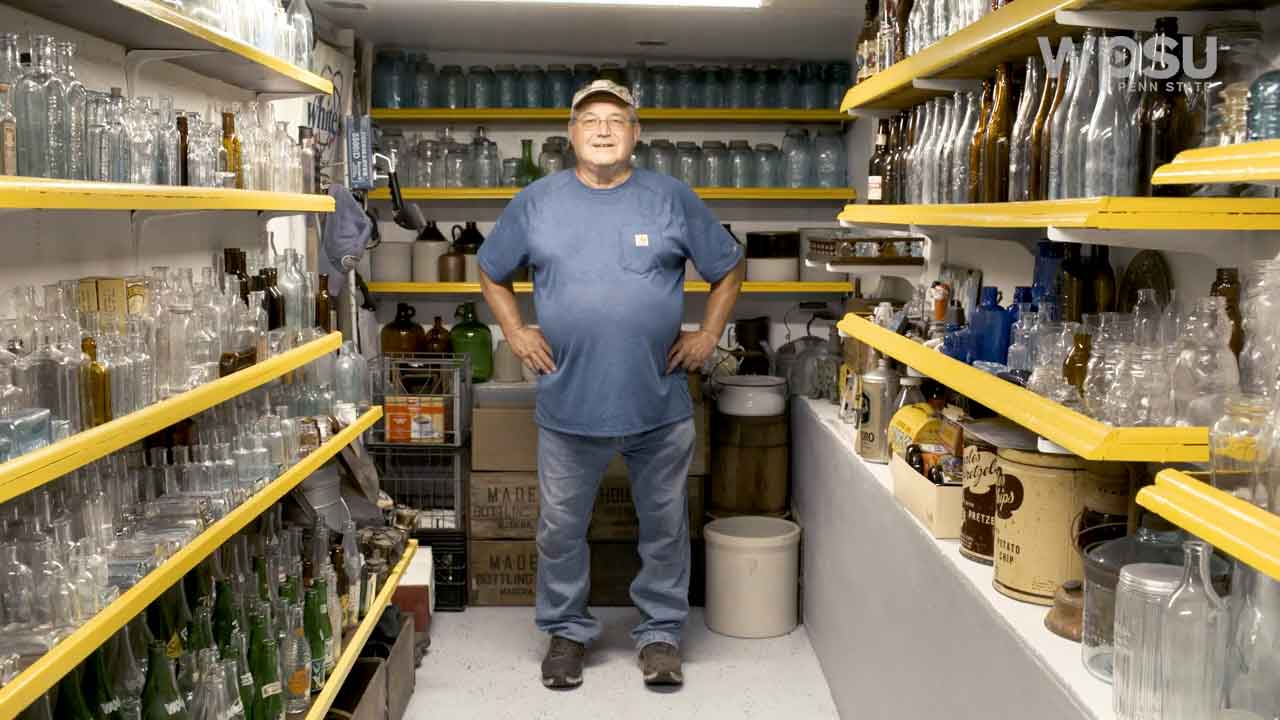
(609, 292)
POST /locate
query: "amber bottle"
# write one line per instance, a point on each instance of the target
(876, 165)
(324, 304)
(1227, 285)
(978, 143)
(438, 338)
(1046, 135)
(1073, 283)
(1073, 369)
(995, 148)
(1102, 281)
(1167, 125)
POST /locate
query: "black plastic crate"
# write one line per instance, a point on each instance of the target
(449, 554)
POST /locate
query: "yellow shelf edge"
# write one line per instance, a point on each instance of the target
(27, 472)
(461, 288)
(1078, 433)
(47, 194)
(1257, 162)
(1012, 21)
(1237, 527)
(706, 193)
(168, 16)
(761, 115)
(321, 703)
(66, 655)
(1097, 213)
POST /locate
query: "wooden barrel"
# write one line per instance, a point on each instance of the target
(750, 465)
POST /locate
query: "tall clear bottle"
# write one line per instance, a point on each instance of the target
(118, 142)
(1055, 145)
(1193, 636)
(142, 142)
(41, 111)
(958, 153)
(1020, 139)
(1110, 165)
(939, 183)
(168, 141)
(76, 110)
(1084, 97)
(175, 338)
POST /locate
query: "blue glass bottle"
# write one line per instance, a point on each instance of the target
(991, 324)
(957, 343)
(1021, 296)
(1048, 262)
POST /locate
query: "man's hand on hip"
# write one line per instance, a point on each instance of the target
(531, 347)
(691, 350)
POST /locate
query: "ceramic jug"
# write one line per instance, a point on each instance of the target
(473, 337)
(467, 239)
(403, 335)
(452, 266)
(427, 249)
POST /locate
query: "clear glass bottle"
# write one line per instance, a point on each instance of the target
(118, 143)
(1079, 111)
(1141, 596)
(142, 142)
(1020, 137)
(1055, 147)
(76, 110)
(1193, 635)
(1235, 452)
(41, 111)
(1205, 372)
(168, 141)
(1110, 167)
(957, 177)
(297, 659)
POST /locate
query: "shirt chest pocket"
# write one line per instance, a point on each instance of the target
(643, 249)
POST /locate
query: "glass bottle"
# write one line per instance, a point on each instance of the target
(142, 142)
(41, 111)
(8, 133)
(527, 171)
(71, 701)
(992, 325)
(1146, 319)
(876, 165)
(233, 170)
(1039, 133)
(1167, 126)
(1109, 167)
(273, 300)
(298, 666)
(866, 46)
(1193, 636)
(1054, 144)
(473, 338)
(1020, 137)
(1084, 97)
(958, 167)
(797, 158)
(1141, 595)
(127, 676)
(237, 650)
(76, 109)
(1236, 452)
(1073, 276)
(231, 699)
(976, 182)
(99, 376)
(996, 139)
(912, 159)
(934, 154)
(1101, 296)
(160, 697)
(1227, 286)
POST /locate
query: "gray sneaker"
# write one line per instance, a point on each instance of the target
(660, 663)
(562, 666)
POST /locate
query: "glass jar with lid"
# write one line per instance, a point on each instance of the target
(813, 87)
(797, 158)
(425, 86)
(640, 155)
(789, 86)
(839, 77)
(453, 87)
(583, 74)
(1239, 61)
(830, 166)
(738, 94)
(459, 168)
(559, 86)
(639, 82)
(533, 87)
(715, 164)
(688, 167)
(768, 165)
(488, 165)
(715, 90)
(566, 149)
(551, 159)
(480, 84)
(664, 91)
(430, 171)
(506, 82)
(662, 157)
(764, 88)
(510, 168)
(687, 92)
(742, 164)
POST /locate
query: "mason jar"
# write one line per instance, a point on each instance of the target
(480, 86)
(829, 164)
(687, 93)
(797, 159)
(639, 83)
(425, 88)
(789, 86)
(739, 93)
(714, 87)
(551, 159)
(688, 166)
(742, 164)
(813, 88)
(510, 167)
(761, 95)
(533, 87)
(612, 72)
(505, 79)
(640, 156)
(459, 168)
(453, 87)
(768, 165)
(839, 78)
(559, 86)
(715, 164)
(430, 171)
(583, 74)
(662, 157)
(664, 92)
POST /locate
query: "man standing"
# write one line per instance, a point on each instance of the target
(607, 244)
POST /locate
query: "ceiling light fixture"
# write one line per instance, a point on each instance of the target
(747, 4)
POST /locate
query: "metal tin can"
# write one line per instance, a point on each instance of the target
(879, 390)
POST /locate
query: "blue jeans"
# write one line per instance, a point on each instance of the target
(570, 468)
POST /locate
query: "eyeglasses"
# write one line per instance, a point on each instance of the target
(591, 123)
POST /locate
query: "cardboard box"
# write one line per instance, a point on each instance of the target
(400, 671)
(503, 506)
(113, 299)
(135, 291)
(614, 515)
(414, 419)
(502, 572)
(939, 507)
(363, 695)
(88, 295)
(505, 439)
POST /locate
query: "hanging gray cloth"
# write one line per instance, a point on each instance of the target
(346, 235)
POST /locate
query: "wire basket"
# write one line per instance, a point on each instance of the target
(425, 397)
(429, 480)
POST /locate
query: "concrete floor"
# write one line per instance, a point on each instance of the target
(484, 662)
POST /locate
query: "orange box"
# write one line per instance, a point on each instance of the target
(414, 419)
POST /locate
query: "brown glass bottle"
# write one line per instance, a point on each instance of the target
(182, 149)
(231, 143)
(1073, 277)
(1046, 134)
(996, 137)
(876, 165)
(403, 335)
(437, 340)
(324, 304)
(867, 42)
(1168, 125)
(1102, 281)
(1227, 285)
(1035, 174)
(978, 143)
(1073, 369)
(890, 182)
(272, 299)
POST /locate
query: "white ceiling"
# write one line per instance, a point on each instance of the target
(799, 29)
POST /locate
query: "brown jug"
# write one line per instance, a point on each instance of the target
(438, 338)
(403, 335)
(467, 239)
(452, 265)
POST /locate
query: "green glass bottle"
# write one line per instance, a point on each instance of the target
(527, 171)
(71, 702)
(200, 634)
(225, 613)
(96, 686)
(160, 697)
(269, 703)
(127, 676)
(169, 617)
(244, 673)
(314, 619)
(40, 709)
(473, 337)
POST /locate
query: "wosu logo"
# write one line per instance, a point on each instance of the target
(1177, 55)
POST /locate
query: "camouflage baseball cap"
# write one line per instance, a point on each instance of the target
(603, 87)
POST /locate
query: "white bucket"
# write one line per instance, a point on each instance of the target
(753, 564)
